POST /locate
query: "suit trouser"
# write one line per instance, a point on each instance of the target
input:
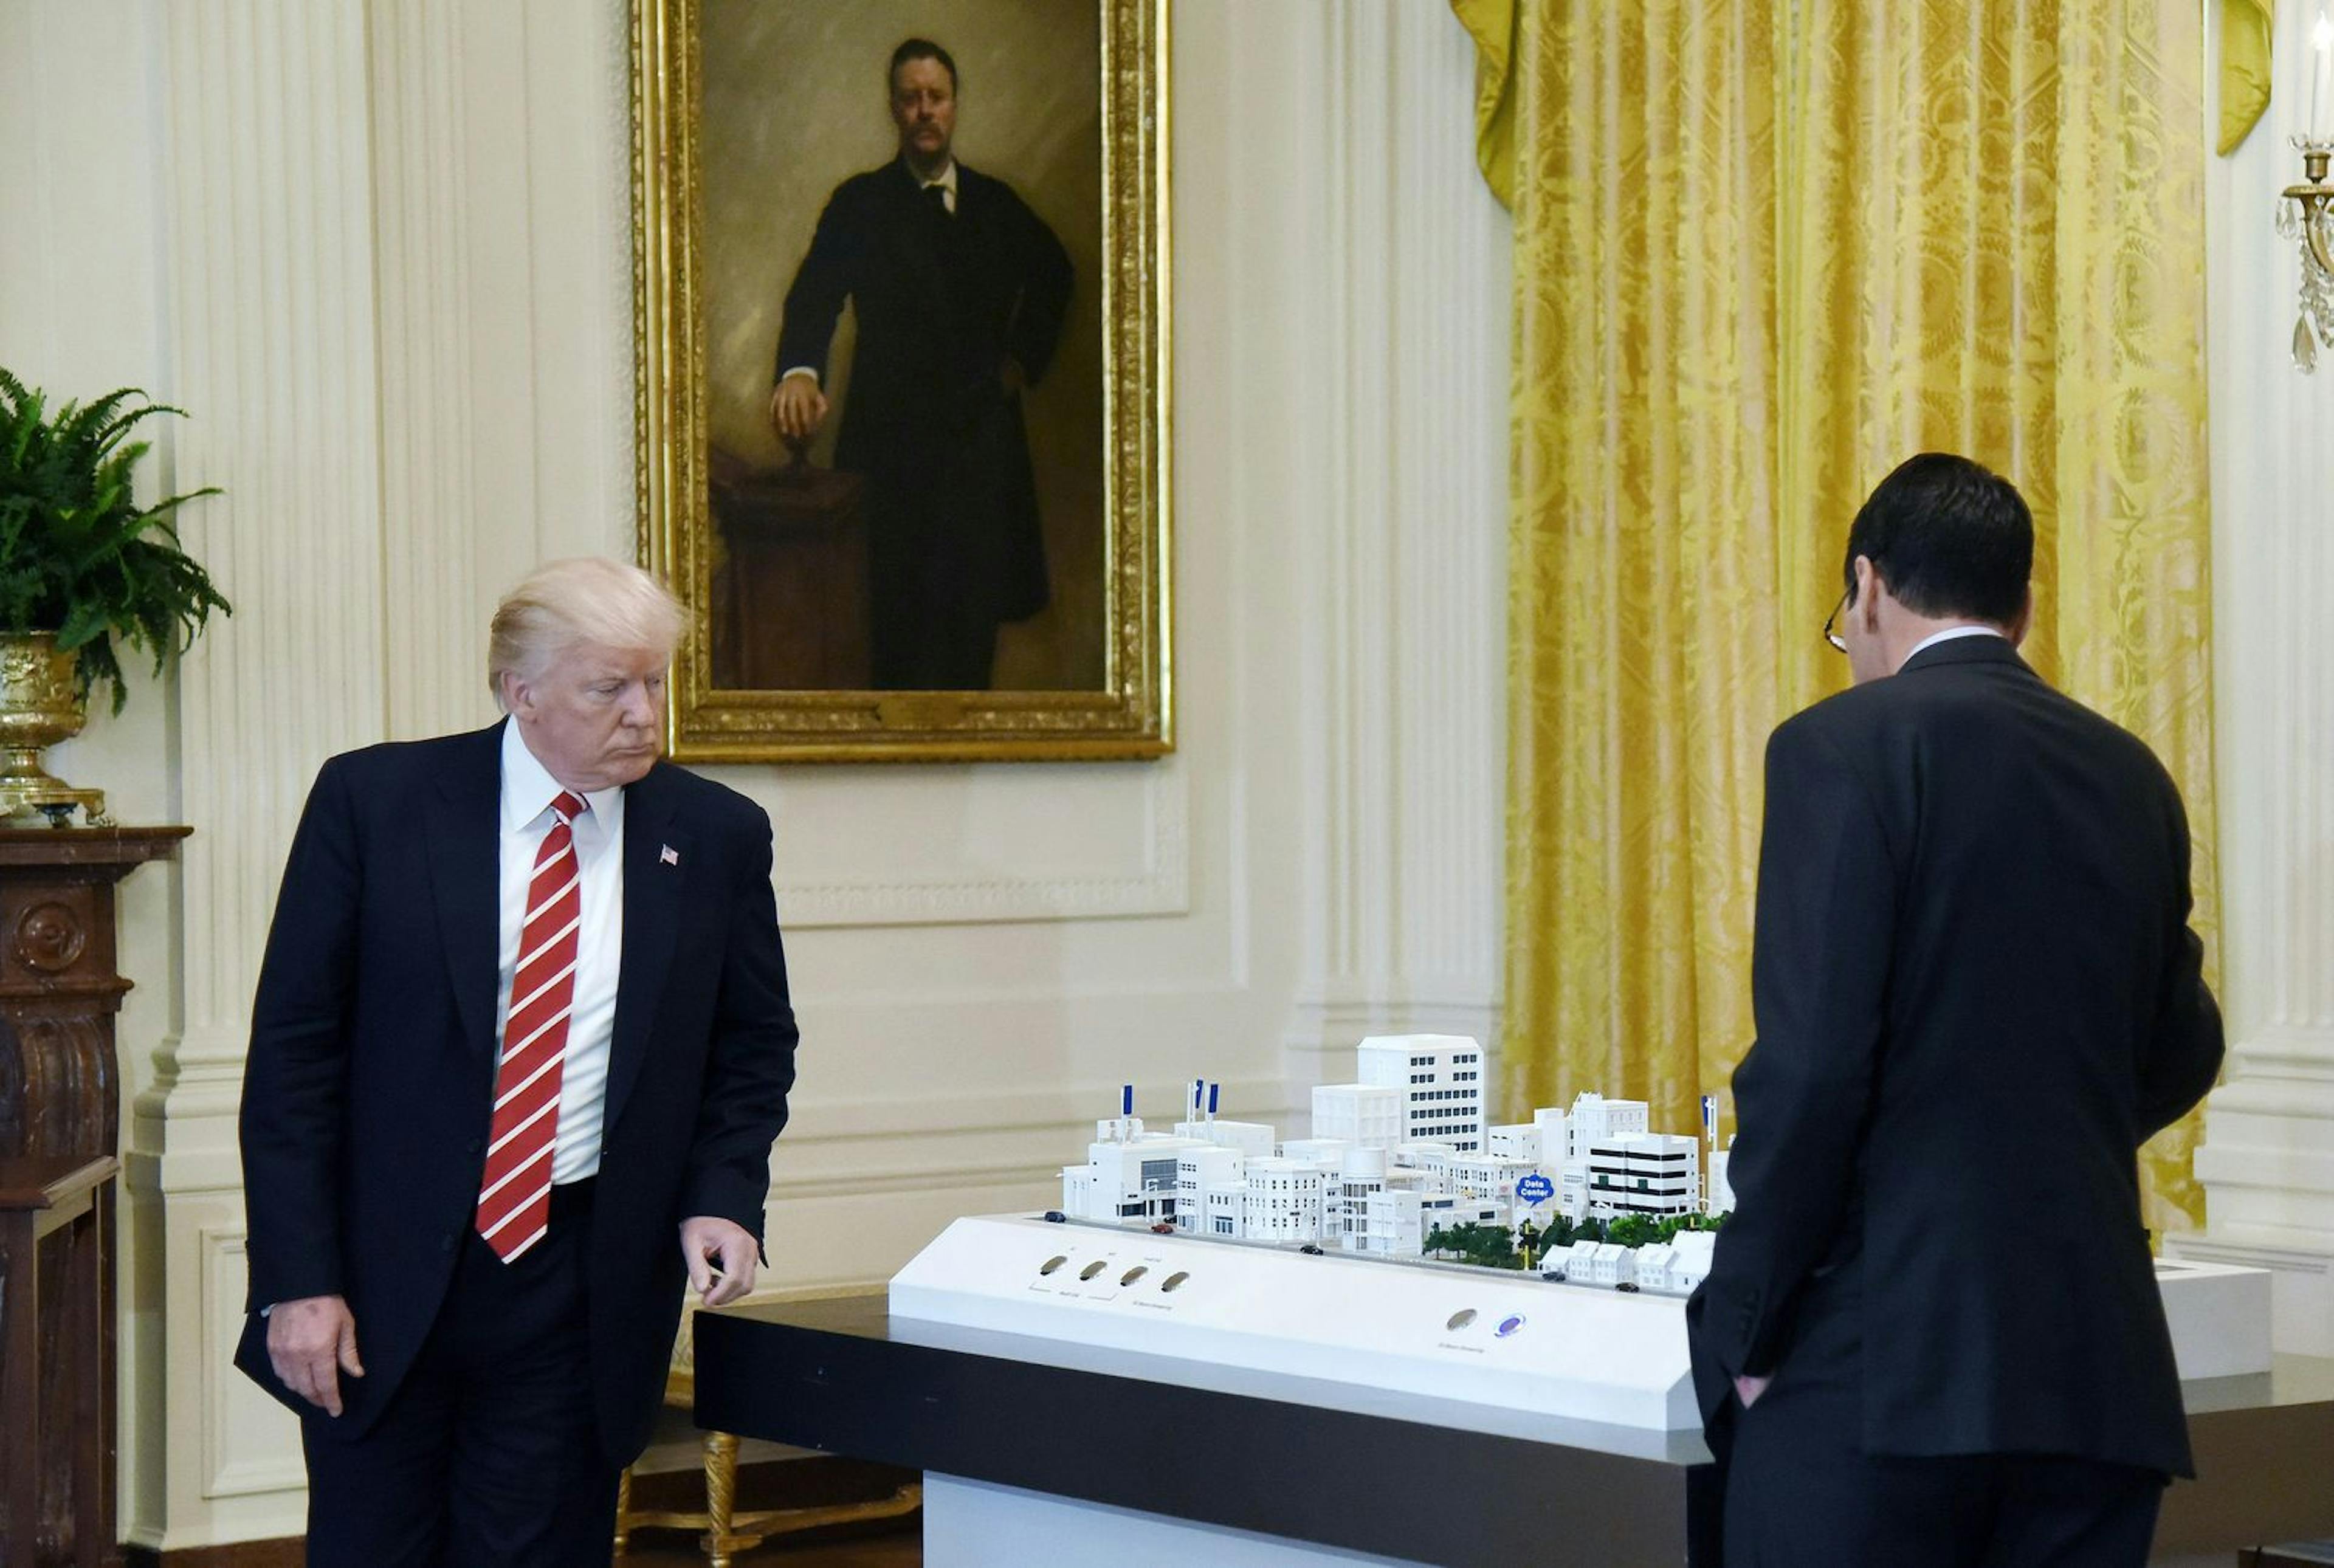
(487, 1455)
(934, 561)
(1801, 1490)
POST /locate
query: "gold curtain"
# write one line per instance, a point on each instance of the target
(1764, 250)
(1645, 621)
(2244, 68)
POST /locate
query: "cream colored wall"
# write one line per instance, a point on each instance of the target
(380, 247)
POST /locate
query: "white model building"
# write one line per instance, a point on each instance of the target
(1360, 1173)
(1252, 1139)
(1224, 1204)
(1721, 1191)
(1440, 1080)
(1202, 1169)
(1283, 1201)
(1324, 1152)
(1593, 1263)
(1520, 1141)
(1675, 1267)
(1396, 1222)
(1368, 1180)
(1129, 1174)
(1368, 1115)
(1492, 1177)
(1572, 1192)
(1326, 1157)
(1596, 1119)
(1652, 1173)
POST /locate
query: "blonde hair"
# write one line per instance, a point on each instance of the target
(586, 598)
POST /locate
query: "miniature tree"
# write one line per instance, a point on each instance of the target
(1629, 1230)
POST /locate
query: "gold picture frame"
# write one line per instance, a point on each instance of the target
(1126, 712)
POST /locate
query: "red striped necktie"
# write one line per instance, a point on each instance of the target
(514, 1193)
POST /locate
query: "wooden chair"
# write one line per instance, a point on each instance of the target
(725, 1530)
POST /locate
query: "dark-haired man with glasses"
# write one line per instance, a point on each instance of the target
(1931, 1332)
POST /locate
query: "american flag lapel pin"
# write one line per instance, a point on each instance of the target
(668, 855)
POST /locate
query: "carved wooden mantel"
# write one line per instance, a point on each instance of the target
(60, 1085)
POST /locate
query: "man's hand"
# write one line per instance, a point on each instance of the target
(311, 1341)
(1748, 1390)
(733, 1250)
(797, 407)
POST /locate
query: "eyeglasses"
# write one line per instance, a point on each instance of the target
(1830, 636)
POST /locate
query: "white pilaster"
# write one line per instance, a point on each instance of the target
(1404, 680)
(429, 397)
(269, 267)
(2267, 1160)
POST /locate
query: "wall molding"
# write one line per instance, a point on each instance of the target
(1159, 885)
(229, 1469)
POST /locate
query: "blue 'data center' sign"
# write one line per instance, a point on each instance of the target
(1535, 1188)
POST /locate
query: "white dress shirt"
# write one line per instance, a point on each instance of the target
(1947, 635)
(528, 790)
(946, 180)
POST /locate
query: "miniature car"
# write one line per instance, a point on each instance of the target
(1627, 1285)
(1056, 1216)
(1309, 1250)
(1162, 1227)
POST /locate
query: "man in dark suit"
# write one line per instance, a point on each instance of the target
(1931, 1332)
(958, 290)
(521, 1044)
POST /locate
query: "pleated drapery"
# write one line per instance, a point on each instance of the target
(1765, 249)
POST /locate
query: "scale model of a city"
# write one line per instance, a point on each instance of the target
(1401, 1165)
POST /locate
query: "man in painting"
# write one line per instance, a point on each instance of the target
(959, 291)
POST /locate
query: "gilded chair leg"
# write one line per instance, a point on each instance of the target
(720, 1497)
(624, 1510)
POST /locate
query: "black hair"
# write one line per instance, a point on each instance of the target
(917, 49)
(1949, 537)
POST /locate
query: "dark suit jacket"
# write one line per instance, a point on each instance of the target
(1976, 994)
(370, 1084)
(941, 303)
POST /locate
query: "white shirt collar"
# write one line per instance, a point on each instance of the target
(1934, 638)
(528, 787)
(947, 180)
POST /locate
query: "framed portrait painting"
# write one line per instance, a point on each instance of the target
(902, 313)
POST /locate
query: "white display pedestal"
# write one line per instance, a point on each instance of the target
(975, 1525)
(1506, 1345)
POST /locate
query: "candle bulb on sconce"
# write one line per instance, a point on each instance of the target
(2321, 58)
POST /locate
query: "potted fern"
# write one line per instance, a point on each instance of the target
(84, 571)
